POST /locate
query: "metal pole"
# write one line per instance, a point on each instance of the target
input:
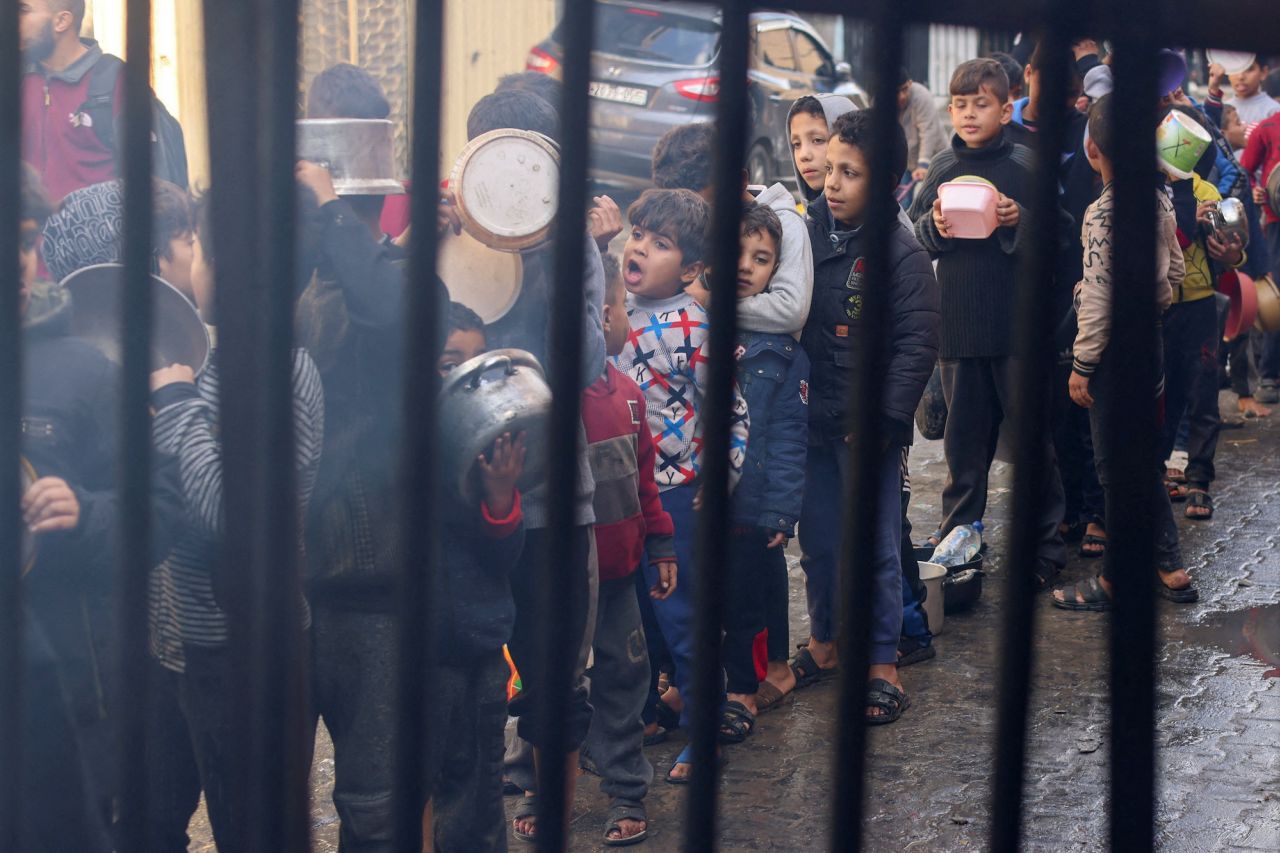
(135, 437)
(10, 437)
(553, 665)
(713, 520)
(861, 502)
(1033, 326)
(421, 497)
(1134, 342)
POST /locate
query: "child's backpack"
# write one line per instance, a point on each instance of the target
(169, 152)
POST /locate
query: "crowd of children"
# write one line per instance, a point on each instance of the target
(802, 276)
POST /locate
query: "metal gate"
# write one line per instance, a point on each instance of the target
(252, 76)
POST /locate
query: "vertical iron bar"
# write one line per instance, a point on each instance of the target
(857, 565)
(421, 497)
(279, 748)
(10, 436)
(552, 664)
(713, 520)
(1130, 521)
(135, 436)
(1033, 327)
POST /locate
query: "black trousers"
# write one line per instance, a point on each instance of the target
(174, 776)
(979, 400)
(744, 605)
(1073, 443)
(1191, 385)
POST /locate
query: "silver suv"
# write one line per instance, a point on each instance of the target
(654, 67)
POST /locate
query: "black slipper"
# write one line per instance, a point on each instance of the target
(1095, 598)
(807, 670)
(1095, 541)
(883, 695)
(1186, 595)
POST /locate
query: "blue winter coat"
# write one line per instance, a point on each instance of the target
(773, 376)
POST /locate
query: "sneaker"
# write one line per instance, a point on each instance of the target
(1267, 393)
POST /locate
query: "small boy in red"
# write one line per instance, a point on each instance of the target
(631, 526)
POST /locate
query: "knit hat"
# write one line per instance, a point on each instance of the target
(87, 229)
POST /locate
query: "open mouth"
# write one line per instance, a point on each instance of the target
(633, 274)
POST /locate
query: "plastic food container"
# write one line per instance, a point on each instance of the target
(1243, 311)
(970, 208)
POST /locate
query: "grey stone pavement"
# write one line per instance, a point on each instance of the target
(930, 774)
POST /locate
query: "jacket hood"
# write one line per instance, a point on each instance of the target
(48, 311)
(87, 229)
(833, 106)
(74, 72)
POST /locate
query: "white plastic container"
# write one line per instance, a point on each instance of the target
(969, 208)
(932, 575)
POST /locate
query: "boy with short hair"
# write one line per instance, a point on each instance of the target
(683, 159)
(173, 243)
(773, 376)
(809, 129)
(978, 279)
(666, 355)
(909, 349)
(1252, 104)
(1091, 371)
(631, 526)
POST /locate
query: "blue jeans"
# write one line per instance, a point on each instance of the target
(675, 615)
(822, 538)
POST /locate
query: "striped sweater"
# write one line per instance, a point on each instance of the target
(183, 609)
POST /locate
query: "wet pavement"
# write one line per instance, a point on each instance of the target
(930, 774)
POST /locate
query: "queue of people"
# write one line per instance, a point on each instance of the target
(801, 280)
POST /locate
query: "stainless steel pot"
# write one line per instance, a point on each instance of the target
(498, 392)
(1227, 218)
(358, 152)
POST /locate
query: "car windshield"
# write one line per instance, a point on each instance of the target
(653, 36)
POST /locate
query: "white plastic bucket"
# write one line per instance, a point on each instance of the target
(932, 575)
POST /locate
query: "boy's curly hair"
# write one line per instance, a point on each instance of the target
(684, 157)
(681, 215)
(760, 219)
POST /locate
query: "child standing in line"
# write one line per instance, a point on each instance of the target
(1092, 367)
(631, 526)
(773, 375)
(666, 355)
(978, 279)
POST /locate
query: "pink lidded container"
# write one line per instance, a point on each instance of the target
(969, 205)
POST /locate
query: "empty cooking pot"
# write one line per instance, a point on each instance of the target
(1227, 219)
(494, 393)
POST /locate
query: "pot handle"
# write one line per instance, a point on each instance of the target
(473, 379)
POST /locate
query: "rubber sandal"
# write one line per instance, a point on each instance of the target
(618, 812)
(769, 697)
(686, 757)
(911, 651)
(1199, 499)
(1090, 539)
(526, 807)
(1046, 573)
(660, 736)
(883, 695)
(807, 670)
(736, 723)
(1186, 595)
(1095, 597)
(1177, 491)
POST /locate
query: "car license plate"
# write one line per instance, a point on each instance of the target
(619, 94)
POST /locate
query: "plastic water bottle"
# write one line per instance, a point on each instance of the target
(961, 546)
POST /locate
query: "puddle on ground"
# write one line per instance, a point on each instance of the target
(1251, 633)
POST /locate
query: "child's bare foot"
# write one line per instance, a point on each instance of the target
(525, 822)
(1251, 408)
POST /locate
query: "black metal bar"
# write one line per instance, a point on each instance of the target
(553, 666)
(421, 497)
(861, 502)
(1033, 327)
(712, 552)
(10, 437)
(1130, 522)
(135, 437)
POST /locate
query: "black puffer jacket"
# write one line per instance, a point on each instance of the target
(910, 339)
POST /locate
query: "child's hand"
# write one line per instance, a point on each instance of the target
(447, 215)
(666, 584)
(1216, 73)
(940, 221)
(1008, 214)
(777, 540)
(1259, 195)
(604, 221)
(498, 477)
(1078, 388)
(1203, 209)
(920, 173)
(318, 179)
(49, 505)
(1228, 251)
(172, 375)
(697, 500)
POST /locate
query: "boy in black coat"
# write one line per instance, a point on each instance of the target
(840, 251)
(978, 278)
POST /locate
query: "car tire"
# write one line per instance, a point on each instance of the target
(759, 165)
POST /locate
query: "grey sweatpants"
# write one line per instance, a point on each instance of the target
(619, 677)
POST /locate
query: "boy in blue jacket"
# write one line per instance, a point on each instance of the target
(910, 344)
(773, 376)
